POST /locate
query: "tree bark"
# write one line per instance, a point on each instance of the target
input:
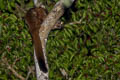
(46, 27)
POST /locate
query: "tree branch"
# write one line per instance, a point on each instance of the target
(46, 27)
(5, 61)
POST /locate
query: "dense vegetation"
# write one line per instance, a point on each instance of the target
(87, 48)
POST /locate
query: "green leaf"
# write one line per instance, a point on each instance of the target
(2, 5)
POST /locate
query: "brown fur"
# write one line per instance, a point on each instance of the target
(34, 17)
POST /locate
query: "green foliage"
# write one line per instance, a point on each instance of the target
(88, 50)
(15, 44)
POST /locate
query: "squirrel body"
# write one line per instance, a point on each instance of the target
(34, 18)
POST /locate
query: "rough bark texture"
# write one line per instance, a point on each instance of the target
(46, 27)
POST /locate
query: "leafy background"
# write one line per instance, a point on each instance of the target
(87, 48)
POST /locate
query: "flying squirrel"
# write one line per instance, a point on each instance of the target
(34, 18)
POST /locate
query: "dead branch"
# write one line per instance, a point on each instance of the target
(31, 70)
(5, 61)
(76, 22)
